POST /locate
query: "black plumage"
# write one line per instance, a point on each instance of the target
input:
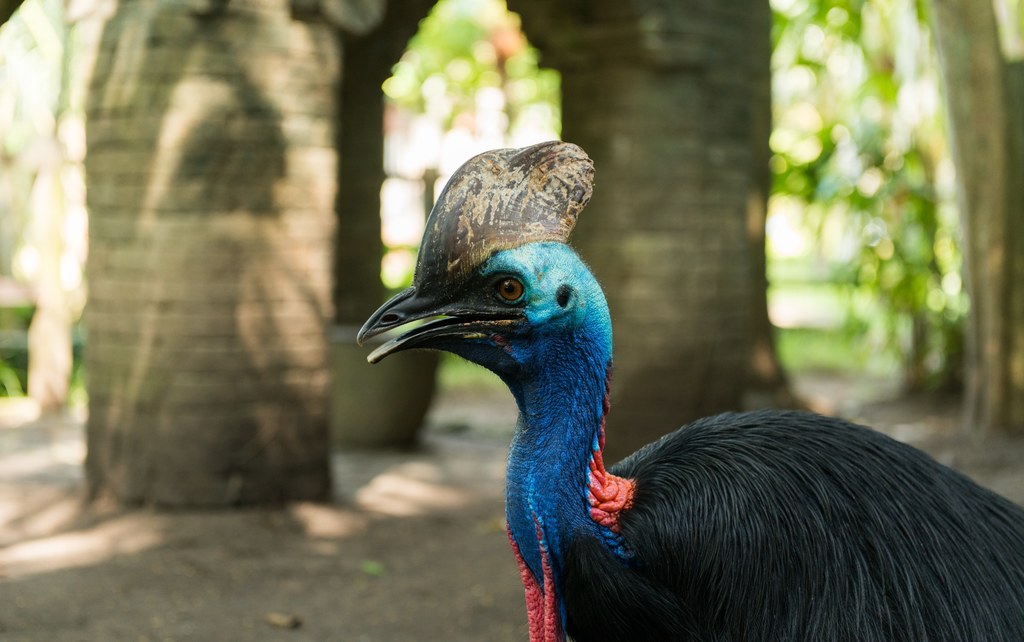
(791, 526)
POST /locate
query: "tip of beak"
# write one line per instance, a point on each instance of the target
(385, 318)
(369, 330)
(380, 352)
(365, 332)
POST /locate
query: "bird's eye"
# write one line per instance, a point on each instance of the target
(510, 289)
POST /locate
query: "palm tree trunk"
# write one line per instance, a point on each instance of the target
(984, 93)
(667, 100)
(211, 173)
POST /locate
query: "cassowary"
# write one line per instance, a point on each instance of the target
(756, 527)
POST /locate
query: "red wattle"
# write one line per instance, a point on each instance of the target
(542, 611)
(607, 494)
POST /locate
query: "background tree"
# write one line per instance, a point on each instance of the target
(211, 173)
(358, 289)
(363, 412)
(664, 97)
(984, 82)
(769, 382)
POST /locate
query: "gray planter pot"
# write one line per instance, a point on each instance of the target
(378, 406)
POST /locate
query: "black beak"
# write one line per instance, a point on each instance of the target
(450, 321)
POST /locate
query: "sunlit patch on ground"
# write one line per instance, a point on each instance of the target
(35, 510)
(322, 521)
(400, 494)
(123, 536)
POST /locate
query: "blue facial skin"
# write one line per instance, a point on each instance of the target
(565, 312)
(555, 363)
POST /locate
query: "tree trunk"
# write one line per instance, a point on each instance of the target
(211, 174)
(358, 288)
(363, 412)
(769, 385)
(369, 59)
(984, 93)
(665, 99)
(53, 201)
(49, 334)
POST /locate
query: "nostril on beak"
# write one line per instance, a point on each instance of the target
(390, 318)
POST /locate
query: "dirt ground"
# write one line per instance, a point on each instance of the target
(413, 548)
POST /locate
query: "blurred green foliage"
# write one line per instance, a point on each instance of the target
(859, 155)
(457, 373)
(464, 46)
(14, 322)
(42, 144)
(812, 350)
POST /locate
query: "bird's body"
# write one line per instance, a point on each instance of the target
(741, 527)
(791, 526)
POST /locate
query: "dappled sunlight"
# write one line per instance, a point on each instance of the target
(40, 504)
(17, 411)
(404, 493)
(323, 521)
(35, 511)
(40, 471)
(176, 128)
(75, 571)
(46, 530)
(122, 536)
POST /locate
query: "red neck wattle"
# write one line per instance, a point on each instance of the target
(542, 610)
(607, 494)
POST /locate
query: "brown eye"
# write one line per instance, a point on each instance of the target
(510, 289)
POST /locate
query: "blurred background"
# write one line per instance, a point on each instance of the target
(798, 204)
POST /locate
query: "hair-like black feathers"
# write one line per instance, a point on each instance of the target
(791, 526)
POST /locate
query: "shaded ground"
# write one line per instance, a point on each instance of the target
(414, 548)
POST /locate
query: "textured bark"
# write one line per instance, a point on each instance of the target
(984, 92)
(211, 174)
(664, 98)
(358, 289)
(363, 412)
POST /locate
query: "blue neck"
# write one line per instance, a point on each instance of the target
(561, 410)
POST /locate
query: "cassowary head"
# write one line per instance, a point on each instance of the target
(494, 276)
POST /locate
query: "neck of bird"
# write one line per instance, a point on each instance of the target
(557, 487)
